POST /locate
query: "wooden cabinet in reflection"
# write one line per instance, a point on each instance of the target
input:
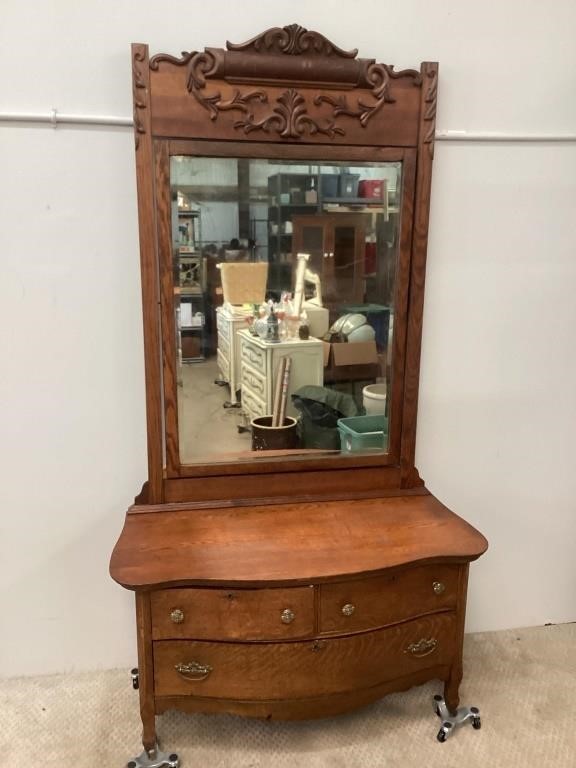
(336, 244)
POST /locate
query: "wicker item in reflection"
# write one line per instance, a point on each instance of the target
(244, 283)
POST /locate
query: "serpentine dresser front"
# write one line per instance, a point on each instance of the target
(295, 610)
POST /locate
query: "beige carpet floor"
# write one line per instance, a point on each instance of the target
(524, 682)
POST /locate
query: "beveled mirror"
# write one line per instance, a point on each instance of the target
(240, 228)
(283, 197)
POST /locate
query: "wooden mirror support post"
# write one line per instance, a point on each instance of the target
(307, 587)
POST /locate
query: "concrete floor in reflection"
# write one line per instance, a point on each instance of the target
(206, 427)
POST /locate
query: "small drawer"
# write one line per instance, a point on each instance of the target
(369, 603)
(233, 614)
(254, 357)
(223, 325)
(254, 381)
(309, 668)
(253, 406)
(224, 345)
(223, 365)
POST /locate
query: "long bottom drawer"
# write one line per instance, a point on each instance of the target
(300, 669)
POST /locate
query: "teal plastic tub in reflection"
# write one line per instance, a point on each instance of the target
(359, 433)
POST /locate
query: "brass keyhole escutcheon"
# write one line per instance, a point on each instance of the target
(438, 587)
(287, 616)
(348, 609)
(177, 615)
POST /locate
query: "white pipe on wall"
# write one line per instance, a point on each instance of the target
(54, 118)
(500, 136)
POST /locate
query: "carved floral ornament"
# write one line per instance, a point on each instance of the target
(292, 115)
(139, 88)
(293, 40)
(430, 109)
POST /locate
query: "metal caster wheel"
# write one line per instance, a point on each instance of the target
(444, 731)
(476, 721)
(450, 721)
(155, 759)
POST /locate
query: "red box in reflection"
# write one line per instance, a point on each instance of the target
(371, 188)
(370, 259)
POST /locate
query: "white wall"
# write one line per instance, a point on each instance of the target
(497, 411)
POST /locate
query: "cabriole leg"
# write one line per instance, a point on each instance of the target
(143, 681)
(152, 757)
(451, 689)
(149, 741)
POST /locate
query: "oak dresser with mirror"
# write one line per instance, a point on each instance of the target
(286, 558)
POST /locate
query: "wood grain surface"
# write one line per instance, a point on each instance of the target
(287, 478)
(239, 614)
(429, 71)
(148, 267)
(145, 670)
(289, 543)
(301, 709)
(300, 669)
(386, 599)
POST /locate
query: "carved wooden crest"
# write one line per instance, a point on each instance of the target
(293, 40)
(296, 69)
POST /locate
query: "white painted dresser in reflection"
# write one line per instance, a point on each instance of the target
(260, 365)
(228, 354)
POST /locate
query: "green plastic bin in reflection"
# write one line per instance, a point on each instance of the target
(360, 433)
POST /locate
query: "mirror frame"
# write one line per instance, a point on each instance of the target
(286, 94)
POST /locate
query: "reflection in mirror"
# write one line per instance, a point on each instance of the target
(284, 287)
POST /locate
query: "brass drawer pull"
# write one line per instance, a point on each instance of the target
(177, 615)
(438, 587)
(193, 670)
(287, 616)
(423, 647)
(348, 609)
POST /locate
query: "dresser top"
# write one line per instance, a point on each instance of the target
(291, 543)
(287, 344)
